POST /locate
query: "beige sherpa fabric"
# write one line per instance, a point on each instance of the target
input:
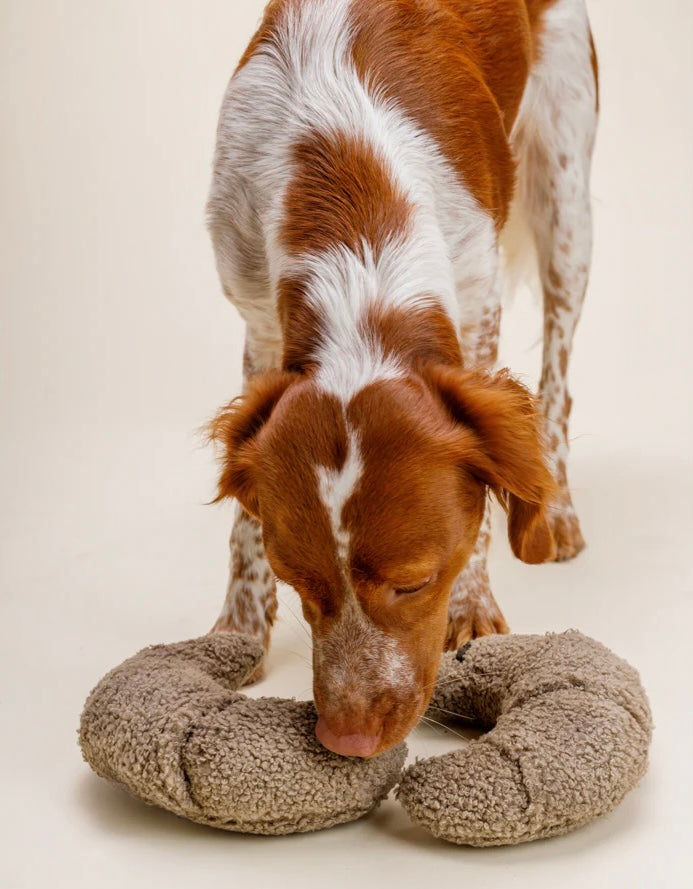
(169, 726)
(570, 730)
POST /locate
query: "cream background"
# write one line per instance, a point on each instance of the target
(117, 345)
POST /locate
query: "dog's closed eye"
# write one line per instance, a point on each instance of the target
(413, 588)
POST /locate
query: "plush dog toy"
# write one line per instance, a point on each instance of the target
(169, 726)
(569, 732)
(570, 727)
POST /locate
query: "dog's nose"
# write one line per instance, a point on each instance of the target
(346, 745)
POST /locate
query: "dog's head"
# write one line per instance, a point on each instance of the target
(370, 509)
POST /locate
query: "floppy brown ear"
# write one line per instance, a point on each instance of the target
(501, 442)
(236, 428)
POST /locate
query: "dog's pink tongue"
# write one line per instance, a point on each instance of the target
(346, 745)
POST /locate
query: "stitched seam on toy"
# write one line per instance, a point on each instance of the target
(545, 689)
(176, 803)
(184, 772)
(200, 716)
(567, 685)
(534, 810)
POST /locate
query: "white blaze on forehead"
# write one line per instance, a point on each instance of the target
(356, 653)
(336, 487)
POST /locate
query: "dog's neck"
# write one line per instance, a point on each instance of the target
(365, 288)
(346, 340)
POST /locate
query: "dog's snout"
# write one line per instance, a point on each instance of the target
(365, 725)
(352, 723)
(362, 744)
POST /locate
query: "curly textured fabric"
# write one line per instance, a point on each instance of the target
(570, 730)
(169, 726)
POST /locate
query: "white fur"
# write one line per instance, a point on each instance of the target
(336, 486)
(556, 117)
(303, 82)
(356, 654)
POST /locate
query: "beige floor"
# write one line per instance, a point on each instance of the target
(116, 345)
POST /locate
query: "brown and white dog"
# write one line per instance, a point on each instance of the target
(368, 155)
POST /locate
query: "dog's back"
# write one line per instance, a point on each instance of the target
(426, 94)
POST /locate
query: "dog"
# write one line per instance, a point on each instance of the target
(375, 162)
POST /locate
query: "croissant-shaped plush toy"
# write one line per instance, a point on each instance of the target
(568, 722)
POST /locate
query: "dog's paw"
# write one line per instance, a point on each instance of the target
(566, 532)
(474, 616)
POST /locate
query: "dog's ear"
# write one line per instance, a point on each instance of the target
(499, 440)
(236, 428)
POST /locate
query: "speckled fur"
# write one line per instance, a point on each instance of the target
(250, 606)
(554, 139)
(169, 727)
(473, 610)
(570, 731)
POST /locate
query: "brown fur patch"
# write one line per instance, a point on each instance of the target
(301, 326)
(236, 428)
(563, 360)
(459, 71)
(340, 193)
(415, 336)
(501, 442)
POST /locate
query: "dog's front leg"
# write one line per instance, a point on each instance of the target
(473, 611)
(250, 605)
